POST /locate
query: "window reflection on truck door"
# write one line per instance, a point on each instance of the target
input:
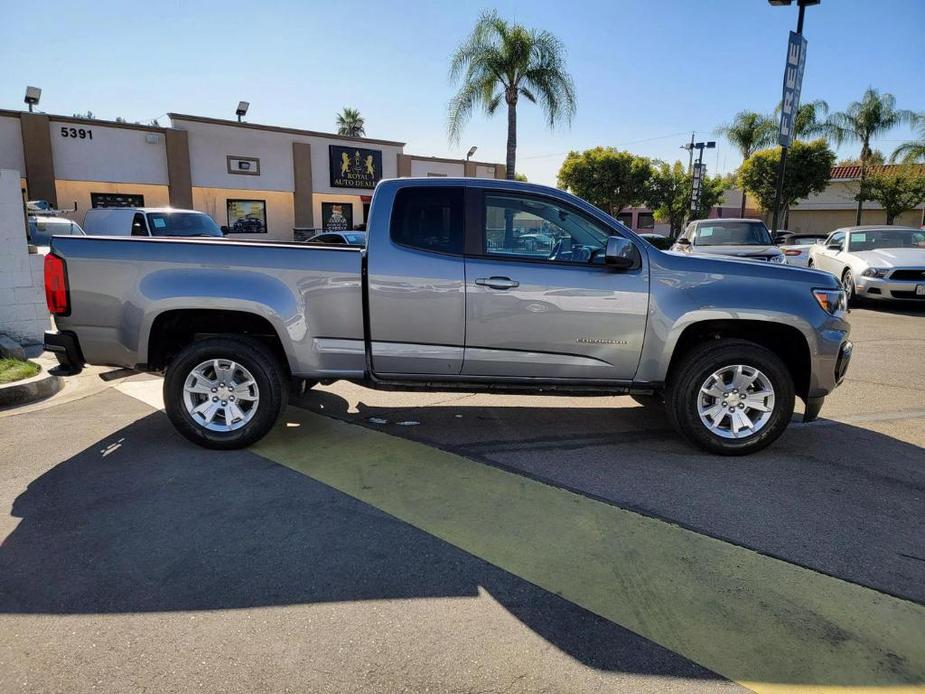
(540, 302)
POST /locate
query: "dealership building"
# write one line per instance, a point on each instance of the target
(256, 179)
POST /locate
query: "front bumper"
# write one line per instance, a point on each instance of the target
(64, 343)
(844, 359)
(885, 288)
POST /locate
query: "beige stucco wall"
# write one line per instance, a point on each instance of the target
(70, 192)
(824, 221)
(115, 154)
(280, 209)
(11, 153)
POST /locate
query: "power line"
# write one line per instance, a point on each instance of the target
(619, 144)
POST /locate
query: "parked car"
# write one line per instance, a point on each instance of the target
(663, 243)
(248, 225)
(429, 305)
(40, 229)
(343, 238)
(739, 238)
(875, 262)
(796, 247)
(149, 221)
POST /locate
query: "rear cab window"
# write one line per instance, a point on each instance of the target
(429, 219)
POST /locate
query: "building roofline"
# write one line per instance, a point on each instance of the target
(421, 157)
(58, 118)
(279, 129)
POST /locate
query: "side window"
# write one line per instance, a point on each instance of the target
(626, 218)
(138, 225)
(525, 227)
(836, 239)
(430, 219)
(646, 221)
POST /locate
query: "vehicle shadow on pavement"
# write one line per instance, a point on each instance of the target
(143, 521)
(836, 498)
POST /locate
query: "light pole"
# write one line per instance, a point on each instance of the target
(471, 152)
(697, 182)
(690, 153)
(241, 111)
(33, 94)
(790, 103)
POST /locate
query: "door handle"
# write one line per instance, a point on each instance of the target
(497, 282)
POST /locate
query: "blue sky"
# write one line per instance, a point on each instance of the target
(647, 71)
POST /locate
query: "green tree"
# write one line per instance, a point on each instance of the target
(499, 63)
(351, 123)
(876, 158)
(669, 195)
(748, 132)
(874, 115)
(896, 188)
(520, 177)
(809, 166)
(914, 150)
(88, 115)
(606, 177)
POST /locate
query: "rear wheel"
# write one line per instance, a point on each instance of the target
(730, 397)
(225, 392)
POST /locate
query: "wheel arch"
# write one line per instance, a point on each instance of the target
(786, 341)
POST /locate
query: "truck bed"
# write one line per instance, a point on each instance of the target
(120, 287)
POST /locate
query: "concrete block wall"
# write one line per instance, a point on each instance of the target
(23, 314)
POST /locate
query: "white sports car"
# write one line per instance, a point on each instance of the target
(875, 262)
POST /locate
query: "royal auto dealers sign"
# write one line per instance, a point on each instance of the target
(352, 167)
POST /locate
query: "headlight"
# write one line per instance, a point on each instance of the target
(778, 258)
(875, 272)
(831, 300)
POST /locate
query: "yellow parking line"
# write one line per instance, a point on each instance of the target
(764, 623)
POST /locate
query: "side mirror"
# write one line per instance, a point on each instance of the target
(837, 247)
(621, 253)
(683, 241)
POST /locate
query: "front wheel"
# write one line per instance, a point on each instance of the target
(847, 282)
(730, 397)
(225, 392)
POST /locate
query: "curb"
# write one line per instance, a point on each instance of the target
(42, 385)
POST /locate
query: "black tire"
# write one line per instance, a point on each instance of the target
(847, 281)
(268, 373)
(683, 393)
(655, 400)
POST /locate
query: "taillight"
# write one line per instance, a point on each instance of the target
(56, 292)
(791, 251)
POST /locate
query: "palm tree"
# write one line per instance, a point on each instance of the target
(748, 132)
(351, 123)
(874, 115)
(499, 62)
(913, 151)
(809, 121)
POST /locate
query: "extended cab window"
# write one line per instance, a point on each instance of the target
(525, 227)
(428, 218)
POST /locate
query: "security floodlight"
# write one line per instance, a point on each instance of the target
(471, 152)
(779, 3)
(711, 145)
(33, 94)
(242, 109)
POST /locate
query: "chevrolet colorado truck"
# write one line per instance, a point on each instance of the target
(447, 295)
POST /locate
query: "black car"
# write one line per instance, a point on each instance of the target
(342, 238)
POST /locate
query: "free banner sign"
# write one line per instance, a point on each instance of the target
(354, 167)
(793, 84)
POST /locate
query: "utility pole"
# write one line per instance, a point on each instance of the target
(697, 178)
(790, 104)
(690, 152)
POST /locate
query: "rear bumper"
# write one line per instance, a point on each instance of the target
(64, 342)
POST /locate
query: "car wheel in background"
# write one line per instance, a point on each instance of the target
(225, 392)
(730, 397)
(847, 283)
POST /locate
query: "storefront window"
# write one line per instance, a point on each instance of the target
(247, 216)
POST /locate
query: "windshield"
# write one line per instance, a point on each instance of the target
(871, 239)
(182, 224)
(732, 234)
(41, 230)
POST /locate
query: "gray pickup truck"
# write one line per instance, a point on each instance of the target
(449, 294)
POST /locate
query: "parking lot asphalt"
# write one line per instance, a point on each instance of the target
(518, 549)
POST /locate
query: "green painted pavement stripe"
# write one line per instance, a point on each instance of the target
(767, 624)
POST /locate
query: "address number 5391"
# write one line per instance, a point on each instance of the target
(80, 133)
